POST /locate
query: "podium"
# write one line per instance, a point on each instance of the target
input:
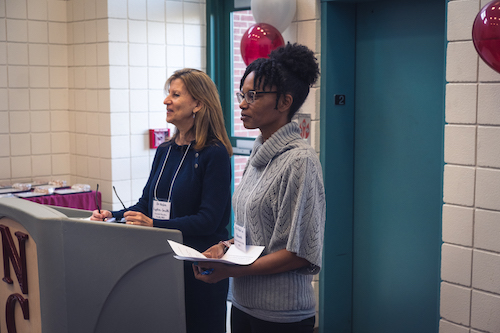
(62, 273)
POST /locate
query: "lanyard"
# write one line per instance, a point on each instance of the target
(175, 175)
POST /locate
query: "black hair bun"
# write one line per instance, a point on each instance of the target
(298, 60)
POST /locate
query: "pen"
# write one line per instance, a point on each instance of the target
(205, 272)
(97, 202)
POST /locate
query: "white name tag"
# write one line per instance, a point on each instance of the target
(161, 210)
(240, 239)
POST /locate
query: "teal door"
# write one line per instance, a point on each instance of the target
(383, 234)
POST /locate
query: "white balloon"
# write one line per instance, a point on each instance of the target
(278, 13)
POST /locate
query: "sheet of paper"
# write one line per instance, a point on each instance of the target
(233, 256)
(111, 219)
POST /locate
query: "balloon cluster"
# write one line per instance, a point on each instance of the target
(486, 34)
(273, 17)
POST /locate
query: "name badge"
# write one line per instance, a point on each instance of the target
(161, 210)
(240, 239)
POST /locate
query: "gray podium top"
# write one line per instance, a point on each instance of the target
(98, 276)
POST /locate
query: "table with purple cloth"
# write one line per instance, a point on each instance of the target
(82, 200)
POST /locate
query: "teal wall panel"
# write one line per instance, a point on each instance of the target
(384, 215)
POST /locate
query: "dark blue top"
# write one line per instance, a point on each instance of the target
(201, 194)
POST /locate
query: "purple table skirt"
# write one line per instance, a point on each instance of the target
(85, 200)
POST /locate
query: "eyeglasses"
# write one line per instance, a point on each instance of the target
(249, 96)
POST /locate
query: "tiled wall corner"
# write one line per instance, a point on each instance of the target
(471, 213)
(458, 185)
(461, 15)
(461, 62)
(455, 303)
(456, 264)
(458, 225)
(460, 144)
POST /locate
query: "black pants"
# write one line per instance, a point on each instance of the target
(244, 323)
(205, 303)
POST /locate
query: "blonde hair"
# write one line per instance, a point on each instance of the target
(209, 120)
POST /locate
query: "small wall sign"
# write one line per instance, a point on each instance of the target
(339, 99)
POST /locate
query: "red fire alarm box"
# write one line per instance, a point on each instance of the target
(157, 136)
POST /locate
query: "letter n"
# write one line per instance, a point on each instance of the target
(18, 259)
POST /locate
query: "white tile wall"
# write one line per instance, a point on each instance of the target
(4, 122)
(117, 8)
(487, 106)
(486, 230)
(471, 215)
(41, 166)
(307, 34)
(156, 10)
(486, 74)
(456, 264)
(174, 11)
(447, 327)
(455, 303)
(461, 15)
(488, 188)
(460, 144)
(20, 167)
(488, 139)
(461, 62)
(94, 166)
(121, 169)
(307, 10)
(4, 145)
(40, 121)
(137, 9)
(17, 54)
(484, 311)
(458, 185)
(16, 9)
(5, 168)
(485, 271)
(61, 59)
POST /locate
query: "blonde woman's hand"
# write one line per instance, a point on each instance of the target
(137, 218)
(102, 215)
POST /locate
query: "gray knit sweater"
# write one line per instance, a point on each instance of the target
(282, 205)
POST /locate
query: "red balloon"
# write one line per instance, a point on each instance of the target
(258, 41)
(486, 34)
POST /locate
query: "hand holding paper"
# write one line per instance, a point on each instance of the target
(233, 256)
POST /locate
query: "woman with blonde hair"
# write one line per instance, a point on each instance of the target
(189, 188)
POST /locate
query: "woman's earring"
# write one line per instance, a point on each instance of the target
(194, 114)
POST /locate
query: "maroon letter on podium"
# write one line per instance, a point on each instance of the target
(9, 311)
(18, 259)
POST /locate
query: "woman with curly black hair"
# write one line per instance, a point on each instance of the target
(279, 204)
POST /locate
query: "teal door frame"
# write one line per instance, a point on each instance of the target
(337, 138)
(219, 63)
(219, 44)
(338, 56)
